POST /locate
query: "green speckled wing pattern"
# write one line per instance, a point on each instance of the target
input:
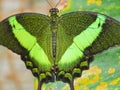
(80, 35)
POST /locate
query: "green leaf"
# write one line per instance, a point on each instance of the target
(108, 7)
(103, 73)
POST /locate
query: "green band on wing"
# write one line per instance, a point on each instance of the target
(74, 53)
(39, 55)
(29, 42)
(70, 58)
(87, 37)
(24, 37)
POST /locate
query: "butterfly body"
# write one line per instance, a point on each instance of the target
(54, 27)
(58, 47)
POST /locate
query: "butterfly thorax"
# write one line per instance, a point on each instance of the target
(54, 19)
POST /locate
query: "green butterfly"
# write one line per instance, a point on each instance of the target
(59, 47)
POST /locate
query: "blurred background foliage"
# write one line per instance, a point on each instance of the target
(104, 72)
(108, 7)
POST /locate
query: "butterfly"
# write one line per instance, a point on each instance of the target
(59, 47)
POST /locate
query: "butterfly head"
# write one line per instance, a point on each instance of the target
(53, 11)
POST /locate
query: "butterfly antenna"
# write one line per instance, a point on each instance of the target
(58, 3)
(49, 3)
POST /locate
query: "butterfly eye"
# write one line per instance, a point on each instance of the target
(54, 10)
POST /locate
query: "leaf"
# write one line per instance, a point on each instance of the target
(103, 73)
(108, 7)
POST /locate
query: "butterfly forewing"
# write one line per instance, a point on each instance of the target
(38, 26)
(109, 37)
(7, 38)
(71, 24)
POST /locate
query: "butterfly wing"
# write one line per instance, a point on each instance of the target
(109, 37)
(83, 35)
(28, 35)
